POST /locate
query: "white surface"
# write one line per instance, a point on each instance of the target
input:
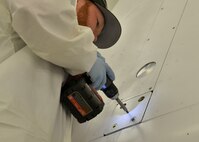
(178, 126)
(177, 86)
(120, 119)
(102, 124)
(30, 109)
(145, 20)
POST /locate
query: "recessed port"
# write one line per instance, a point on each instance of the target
(146, 69)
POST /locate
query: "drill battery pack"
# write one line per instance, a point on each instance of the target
(82, 100)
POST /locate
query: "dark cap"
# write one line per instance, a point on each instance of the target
(112, 28)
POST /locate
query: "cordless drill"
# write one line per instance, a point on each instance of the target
(83, 101)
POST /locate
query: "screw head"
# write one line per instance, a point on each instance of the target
(114, 125)
(141, 99)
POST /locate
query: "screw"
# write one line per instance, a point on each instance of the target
(115, 125)
(141, 99)
(133, 119)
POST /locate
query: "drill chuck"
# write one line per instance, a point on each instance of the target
(111, 91)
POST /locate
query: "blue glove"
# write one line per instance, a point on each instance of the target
(99, 71)
(109, 71)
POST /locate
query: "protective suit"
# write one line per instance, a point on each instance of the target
(30, 31)
(51, 31)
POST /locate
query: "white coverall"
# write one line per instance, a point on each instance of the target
(30, 86)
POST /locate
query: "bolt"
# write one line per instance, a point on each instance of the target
(115, 125)
(141, 99)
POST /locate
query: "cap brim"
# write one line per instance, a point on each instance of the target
(111, 31)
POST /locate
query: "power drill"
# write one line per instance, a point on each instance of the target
(83, 101)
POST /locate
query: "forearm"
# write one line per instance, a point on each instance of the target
(51, 30)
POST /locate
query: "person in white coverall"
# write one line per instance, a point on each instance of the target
(40, 42)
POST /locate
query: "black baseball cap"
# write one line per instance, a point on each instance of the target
(112, 28)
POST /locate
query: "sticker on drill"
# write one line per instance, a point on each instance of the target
(80, 104)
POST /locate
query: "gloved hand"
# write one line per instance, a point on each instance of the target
(99, 71)
(109, 71)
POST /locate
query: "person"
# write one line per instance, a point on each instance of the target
(52, 31)
(106, 30)
(40, 38)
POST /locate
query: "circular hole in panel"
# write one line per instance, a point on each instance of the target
(146, 69)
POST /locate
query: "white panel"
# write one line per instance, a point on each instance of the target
(147, 35)
(112, 119)
(177, 86)
(179, 126)
(121, 120)
(136, 17)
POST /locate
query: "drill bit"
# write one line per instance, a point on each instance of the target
(122, 105)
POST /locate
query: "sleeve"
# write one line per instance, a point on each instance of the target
(51, 31)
